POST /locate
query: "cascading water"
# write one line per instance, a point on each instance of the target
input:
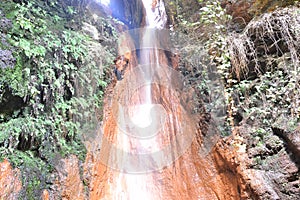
(155, 19)
(148, 148)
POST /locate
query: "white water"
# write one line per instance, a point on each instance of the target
(155, 16)
(141, 114)
(134, 186)
(155, 19)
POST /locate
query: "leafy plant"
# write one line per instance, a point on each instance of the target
(204, 49)
(60, 83)
(264, 75)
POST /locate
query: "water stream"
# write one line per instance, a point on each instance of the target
(148, 149)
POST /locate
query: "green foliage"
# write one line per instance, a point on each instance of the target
(265, 147)
(206, 34)
(60, 83)
(204, 47)
(261, 84)
(256, 94)
(35, 173)
(215, 17)
(269, 98)
(264, 77)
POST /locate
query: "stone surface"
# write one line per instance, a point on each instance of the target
(240, 166)
(70, 184)
(10, 184)
(240, 12)
(260, 173)
(190, 175)
(292, 139)
(243, 11)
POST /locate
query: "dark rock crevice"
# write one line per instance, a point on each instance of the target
(128, 11)
(10, 103)
(292, 142)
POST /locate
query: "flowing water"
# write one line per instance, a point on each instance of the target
(150, 147)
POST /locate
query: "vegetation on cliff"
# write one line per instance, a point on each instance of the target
(53, 70)
(51, 82)
(258, 63)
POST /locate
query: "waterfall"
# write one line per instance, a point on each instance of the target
(155, 14)
(148, 150)
(149, 59)
(155, 19)
(141, 118)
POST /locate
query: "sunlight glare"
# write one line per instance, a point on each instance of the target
(104, 2)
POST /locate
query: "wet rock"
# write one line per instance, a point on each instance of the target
(10, 184)
(292, 139)
(69, 183)
(5, 23)
(128, 11)
(10, 102)
(261, 169)
(191, 176)
(6, 57)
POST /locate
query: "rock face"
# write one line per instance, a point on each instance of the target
(67, 186)
(70, 180)
(190, 176)
(292, 141)
(67, 182)
(268, 165)
(247, 165)
(261, 172)
(243, 11)
(10, 184)
(160, 160)
(128, 11)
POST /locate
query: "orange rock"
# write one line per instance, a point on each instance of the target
(191, 176)
(175, 61)
(70, 181)
(10, 184)
(45, 195)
